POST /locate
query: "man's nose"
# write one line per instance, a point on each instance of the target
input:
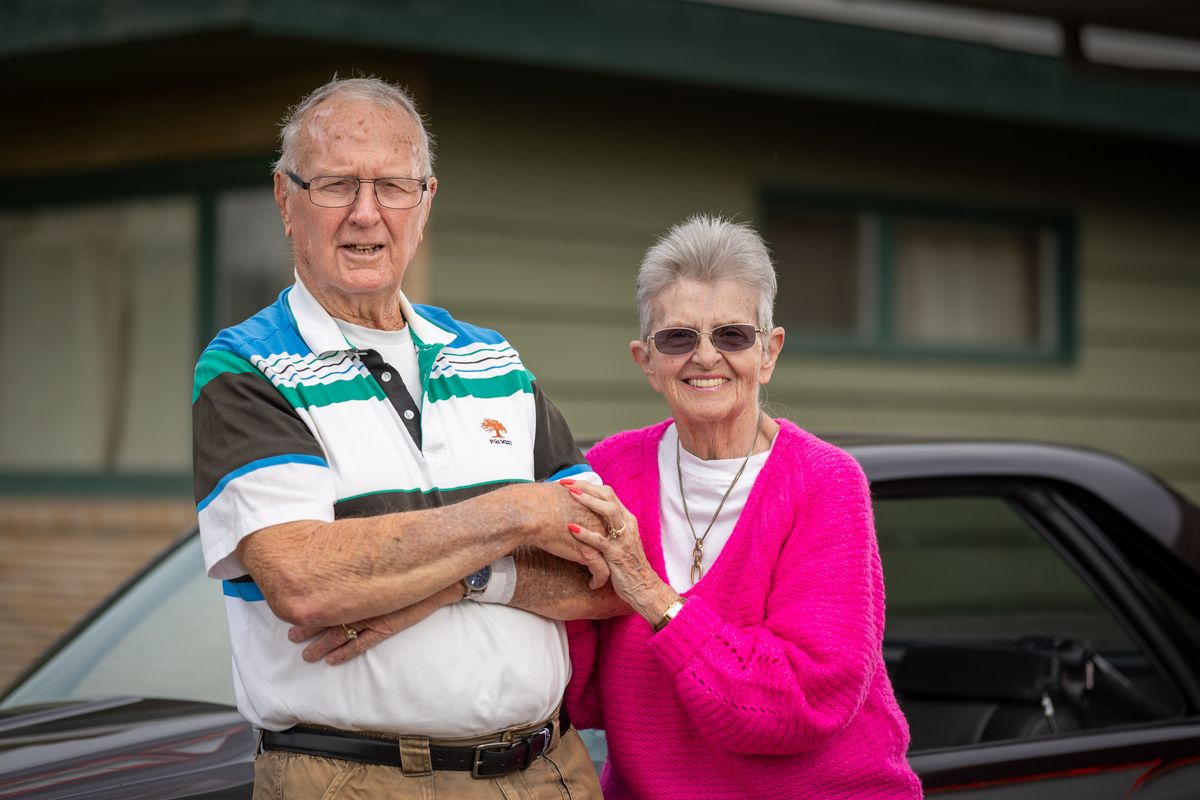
(365, 208)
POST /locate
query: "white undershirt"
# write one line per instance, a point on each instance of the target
(396, 348)
(705, 483)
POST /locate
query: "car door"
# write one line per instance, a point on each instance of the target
(1038, 646)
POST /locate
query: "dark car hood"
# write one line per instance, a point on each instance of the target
(125, 747)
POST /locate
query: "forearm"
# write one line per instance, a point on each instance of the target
(314, 573)
(548, 586)
(551, 587)
(333, 644)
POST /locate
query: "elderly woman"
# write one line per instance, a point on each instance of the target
(753, 666)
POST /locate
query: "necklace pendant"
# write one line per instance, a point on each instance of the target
(698, 549)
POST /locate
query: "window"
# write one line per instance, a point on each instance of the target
(253, 262)
(105, 303)
(971, 569)
(97, 311)
(993, 635)
(166, 636)
(886, 279)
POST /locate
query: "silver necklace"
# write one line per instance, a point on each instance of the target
(698, 548)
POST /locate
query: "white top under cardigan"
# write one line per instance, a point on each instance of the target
(705, 483)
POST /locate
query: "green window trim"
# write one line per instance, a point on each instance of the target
(169, 485)
(881, 341)
(90, 186)
(199, 180)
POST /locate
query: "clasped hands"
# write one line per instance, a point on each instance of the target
(554, 518)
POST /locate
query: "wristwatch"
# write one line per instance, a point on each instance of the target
(669, 615)
(477, 582)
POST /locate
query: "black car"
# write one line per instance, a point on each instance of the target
(1043, 639)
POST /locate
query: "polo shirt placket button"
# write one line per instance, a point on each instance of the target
(408, 414)
(385, 377)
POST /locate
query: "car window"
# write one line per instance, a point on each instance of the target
(993, 635)
(971, 568)
(166, 637)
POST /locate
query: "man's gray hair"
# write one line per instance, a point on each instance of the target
(370, 89)
(707, 249)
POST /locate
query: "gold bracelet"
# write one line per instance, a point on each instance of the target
(669, 614)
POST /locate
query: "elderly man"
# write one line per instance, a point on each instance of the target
(365, 469)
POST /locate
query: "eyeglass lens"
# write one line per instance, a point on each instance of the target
(728, 338)
(336, 192)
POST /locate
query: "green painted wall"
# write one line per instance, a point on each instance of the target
(553, 186)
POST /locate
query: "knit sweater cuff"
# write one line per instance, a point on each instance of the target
(675, 645)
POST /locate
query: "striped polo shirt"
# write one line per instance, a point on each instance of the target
(292, 422)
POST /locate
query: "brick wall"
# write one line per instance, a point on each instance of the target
(59, 558)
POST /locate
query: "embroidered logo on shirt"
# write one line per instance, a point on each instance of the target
(498, 430)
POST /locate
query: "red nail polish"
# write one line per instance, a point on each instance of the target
(567, 481)
(573, 528)
(573, 490)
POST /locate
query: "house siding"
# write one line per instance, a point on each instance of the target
(566, 196)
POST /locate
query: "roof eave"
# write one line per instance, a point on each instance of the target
(667, 40)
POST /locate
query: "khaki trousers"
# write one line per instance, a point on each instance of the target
(565, 772)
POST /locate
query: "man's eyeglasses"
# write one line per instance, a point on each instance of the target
(731, 338)
(339, 191)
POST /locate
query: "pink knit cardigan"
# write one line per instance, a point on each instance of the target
(770, 682)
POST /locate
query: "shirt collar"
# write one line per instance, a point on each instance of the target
(321, 333)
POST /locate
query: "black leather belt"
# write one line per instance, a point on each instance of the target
(488, 760)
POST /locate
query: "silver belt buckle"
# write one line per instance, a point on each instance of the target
(543, 737)
(536, 745)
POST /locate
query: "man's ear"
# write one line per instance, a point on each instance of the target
(427, 206)
(281, 200)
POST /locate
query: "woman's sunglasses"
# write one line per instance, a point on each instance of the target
(731, 338)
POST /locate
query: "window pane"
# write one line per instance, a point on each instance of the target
(960, 283)
(972, 569)
(992, 635)
(97, 336)
(819, 258)
(253, 260)
(165, 637)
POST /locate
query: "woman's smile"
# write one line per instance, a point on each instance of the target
(706, 383)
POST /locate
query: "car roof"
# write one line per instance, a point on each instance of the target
(1136, 494)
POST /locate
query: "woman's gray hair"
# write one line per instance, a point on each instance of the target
(370, 89)
(707, 249)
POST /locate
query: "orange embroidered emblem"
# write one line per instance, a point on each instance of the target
(498, 431)
(495, 426)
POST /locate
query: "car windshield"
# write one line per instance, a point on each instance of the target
(165, 637)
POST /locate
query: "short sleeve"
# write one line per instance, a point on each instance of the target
(255, 462)
(555, 453)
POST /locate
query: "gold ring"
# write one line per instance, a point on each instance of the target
(614, 533)
(350, 632)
